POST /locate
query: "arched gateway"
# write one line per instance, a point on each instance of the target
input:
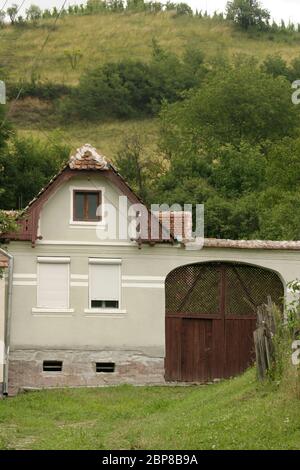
(211, 316)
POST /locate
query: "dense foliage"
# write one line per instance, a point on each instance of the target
(248, 13)
(130, 88)
(26, 166)
(233, 143)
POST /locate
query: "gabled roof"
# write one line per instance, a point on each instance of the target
(86, 160)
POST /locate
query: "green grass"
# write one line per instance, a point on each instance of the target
(110, 37)
(107, 137)
(234, 414)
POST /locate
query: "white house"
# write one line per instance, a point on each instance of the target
(89, 309)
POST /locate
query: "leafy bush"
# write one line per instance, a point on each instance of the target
(114, 90)
(287, 331)
(7, 224)
(26, 167)
(37, 89)
(128, 88)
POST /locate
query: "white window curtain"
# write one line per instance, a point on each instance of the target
(53, 282)
(105, 276)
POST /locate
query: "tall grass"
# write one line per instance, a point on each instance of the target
(284, 372)
(114, 36)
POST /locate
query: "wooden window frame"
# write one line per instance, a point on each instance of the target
(99, 202)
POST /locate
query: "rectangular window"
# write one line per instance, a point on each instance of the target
(106, 367)
(53, 283)
(104, 283)
(52, 366)
(86, 206)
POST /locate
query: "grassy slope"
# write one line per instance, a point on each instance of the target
(103, 38)
(108, 37)
(235, 414)
(106, 136)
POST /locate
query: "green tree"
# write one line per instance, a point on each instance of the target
(27, 166)
(247, 13)
(12, 12)
(279, 214)
(234, 145)
(7, 223)
(33, 13)
(235, 103)
(183, 9)
(238, 171)
(138, 165)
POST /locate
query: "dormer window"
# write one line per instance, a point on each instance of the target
(86, 205)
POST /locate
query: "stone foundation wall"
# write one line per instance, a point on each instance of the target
(79, 369)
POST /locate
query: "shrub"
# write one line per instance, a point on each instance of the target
(129, 89)
(38, 89)
(27, 166)
(287, 330)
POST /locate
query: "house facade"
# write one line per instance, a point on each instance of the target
(92, 305)
(3, 268)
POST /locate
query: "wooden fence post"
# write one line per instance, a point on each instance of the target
(263, 338)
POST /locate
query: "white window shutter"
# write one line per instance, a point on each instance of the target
(105, 279)
(53, 284)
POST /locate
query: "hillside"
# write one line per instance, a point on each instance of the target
(110, 37)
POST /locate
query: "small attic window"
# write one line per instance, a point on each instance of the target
(85, 205)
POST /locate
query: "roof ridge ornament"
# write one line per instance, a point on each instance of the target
(87, 158)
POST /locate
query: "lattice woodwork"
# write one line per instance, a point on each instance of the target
(197, 289)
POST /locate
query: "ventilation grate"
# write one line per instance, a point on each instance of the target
(52, 366)
(106, 367)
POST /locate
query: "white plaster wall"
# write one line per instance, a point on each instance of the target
(56, 216)
(142, 327)
(2, 318)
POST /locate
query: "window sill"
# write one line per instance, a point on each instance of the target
(110, 312)
(82, 224)
(52, 310)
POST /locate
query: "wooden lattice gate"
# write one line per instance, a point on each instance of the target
(211, 316)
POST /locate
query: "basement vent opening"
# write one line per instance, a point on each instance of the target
(107, 367)
(52, 366)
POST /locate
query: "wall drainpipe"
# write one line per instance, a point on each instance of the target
(8, 313)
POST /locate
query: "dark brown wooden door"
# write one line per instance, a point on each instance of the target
(211, 316)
